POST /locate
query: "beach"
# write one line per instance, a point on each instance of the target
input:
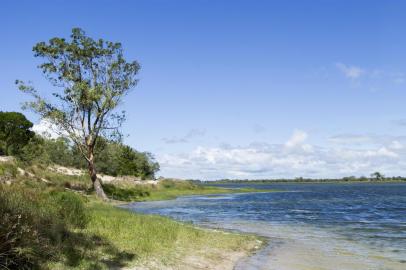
(323, 229)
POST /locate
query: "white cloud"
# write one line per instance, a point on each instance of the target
(352, 72)
(296, 142)
(351, 139)
(292, 159)
(298, 137)
(47, 129)
(381, 152)
(396, 145)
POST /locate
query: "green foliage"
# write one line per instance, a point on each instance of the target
(178, 184)
(162, 243)
(33, 229)
(42, 226)
(69, 207)
(113, 158)
(91, 77)
(119, 159)
(377, 176)
(8, 170)
(59, 150)
(164, 190)
(34, 152)
(55, 179)
(41, 150)
(14, 132)
(126, 194)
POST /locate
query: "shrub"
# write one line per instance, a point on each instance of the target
(8, 170)
(69, 207)
(33, 225)
(125, 194)
(176, 184)
(25, 230)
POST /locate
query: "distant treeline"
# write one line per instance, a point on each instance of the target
(374, 178)
(113, 158)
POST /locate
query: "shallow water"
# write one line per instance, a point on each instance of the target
(310, 226)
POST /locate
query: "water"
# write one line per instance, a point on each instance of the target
(310, 226)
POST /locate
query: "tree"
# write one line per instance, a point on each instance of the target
(132, 162)
(35, 152)
(14, 132)
(377, 176)
(91, 78)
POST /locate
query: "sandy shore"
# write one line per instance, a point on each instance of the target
(213, 259)
(301, 248)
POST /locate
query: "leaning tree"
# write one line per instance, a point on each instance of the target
(91, 78)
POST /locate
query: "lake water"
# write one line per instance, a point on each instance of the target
(309, 226)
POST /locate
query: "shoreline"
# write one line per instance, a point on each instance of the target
(297, 247)
(230, 260)
(253, 183)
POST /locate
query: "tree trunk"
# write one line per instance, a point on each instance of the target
(6, 149)
(96, 182)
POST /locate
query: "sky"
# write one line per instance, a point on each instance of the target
(240, 89)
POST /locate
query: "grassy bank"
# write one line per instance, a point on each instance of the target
(126, 191)
(165, 190)
(124, 239)
(48, 225)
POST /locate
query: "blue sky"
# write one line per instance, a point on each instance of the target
(241, 89)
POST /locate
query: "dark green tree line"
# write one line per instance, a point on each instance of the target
(15, 132)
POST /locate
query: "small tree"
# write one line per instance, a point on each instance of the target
(377, 176)
(92, 78)
(14, 132)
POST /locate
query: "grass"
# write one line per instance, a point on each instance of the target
(38, 226)
(146, 239)
(8, 170)
(165, 190)
(44, 225)
(125, 191)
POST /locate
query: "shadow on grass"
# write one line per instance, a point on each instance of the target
(92, 252)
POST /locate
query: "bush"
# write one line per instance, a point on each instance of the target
(8, 170)
(112, 158)
(33, 226)
(125, 194)
(70, 208)
(176, 184)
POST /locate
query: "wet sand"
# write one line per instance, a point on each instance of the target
(304, 248)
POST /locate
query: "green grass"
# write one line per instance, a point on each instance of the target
(38, 226)
(63, 229)
(143, 239)
(57, 229)
(8, 170)
(81, 182)
(168, 194)
(165, 190)
(125, 191)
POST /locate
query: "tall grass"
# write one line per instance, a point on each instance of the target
(163, 190)
(157, 239)
(35, 225)
(50, 228)
(8, 170)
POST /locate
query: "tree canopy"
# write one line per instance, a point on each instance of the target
(14, 132)
(91, 78)
(115, 158)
